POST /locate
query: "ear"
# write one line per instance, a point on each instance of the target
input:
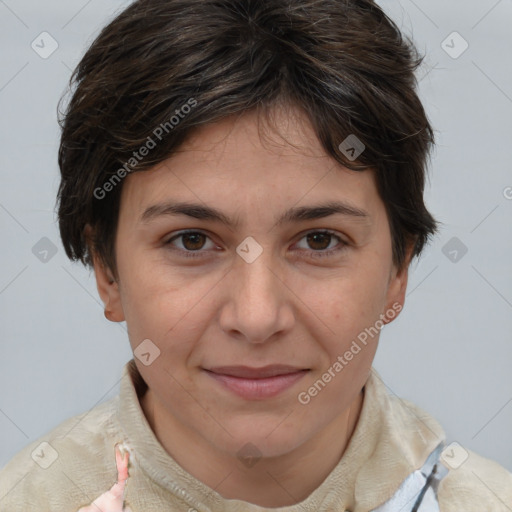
(108, 287)
(395, 297)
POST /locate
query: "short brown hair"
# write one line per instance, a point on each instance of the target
(344, 63)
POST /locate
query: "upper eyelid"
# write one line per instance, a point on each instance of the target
(300, 236)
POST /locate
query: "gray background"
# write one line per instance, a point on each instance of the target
(449, 351)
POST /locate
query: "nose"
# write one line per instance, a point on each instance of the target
(258, 307)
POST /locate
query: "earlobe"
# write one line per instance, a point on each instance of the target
(396, 290)
(108, 288)
(396, 296)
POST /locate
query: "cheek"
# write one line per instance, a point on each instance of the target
(349, 299)
(172, 315)
(150, 307)
(347, 310)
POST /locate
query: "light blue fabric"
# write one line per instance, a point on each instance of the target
(418, 492)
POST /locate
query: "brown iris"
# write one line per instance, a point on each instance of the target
(323, 239)
(194, 239)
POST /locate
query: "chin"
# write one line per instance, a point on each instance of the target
(262, 440)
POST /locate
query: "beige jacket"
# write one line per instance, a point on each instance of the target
(76, 464)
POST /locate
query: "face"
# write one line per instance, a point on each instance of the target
(256, 292)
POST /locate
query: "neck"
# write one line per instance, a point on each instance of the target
(273, 481)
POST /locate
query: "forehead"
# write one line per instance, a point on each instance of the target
(248, 161)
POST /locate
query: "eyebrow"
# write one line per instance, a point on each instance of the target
(296, 214)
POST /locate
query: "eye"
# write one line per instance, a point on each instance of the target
(318, 241)
(191, 243)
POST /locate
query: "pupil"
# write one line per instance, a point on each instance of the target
(193, 241)
(195, 236)
(314, 237)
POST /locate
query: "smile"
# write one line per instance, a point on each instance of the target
(256, 383)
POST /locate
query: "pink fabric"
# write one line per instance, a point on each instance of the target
(113, 499)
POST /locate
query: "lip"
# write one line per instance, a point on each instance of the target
(257, 383)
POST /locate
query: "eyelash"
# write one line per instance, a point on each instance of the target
(320, 253)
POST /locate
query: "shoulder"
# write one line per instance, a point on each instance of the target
(59, 470)
(474, 483)
(413, 431)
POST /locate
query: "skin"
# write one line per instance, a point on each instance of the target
(289, 306)
(113, 499)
